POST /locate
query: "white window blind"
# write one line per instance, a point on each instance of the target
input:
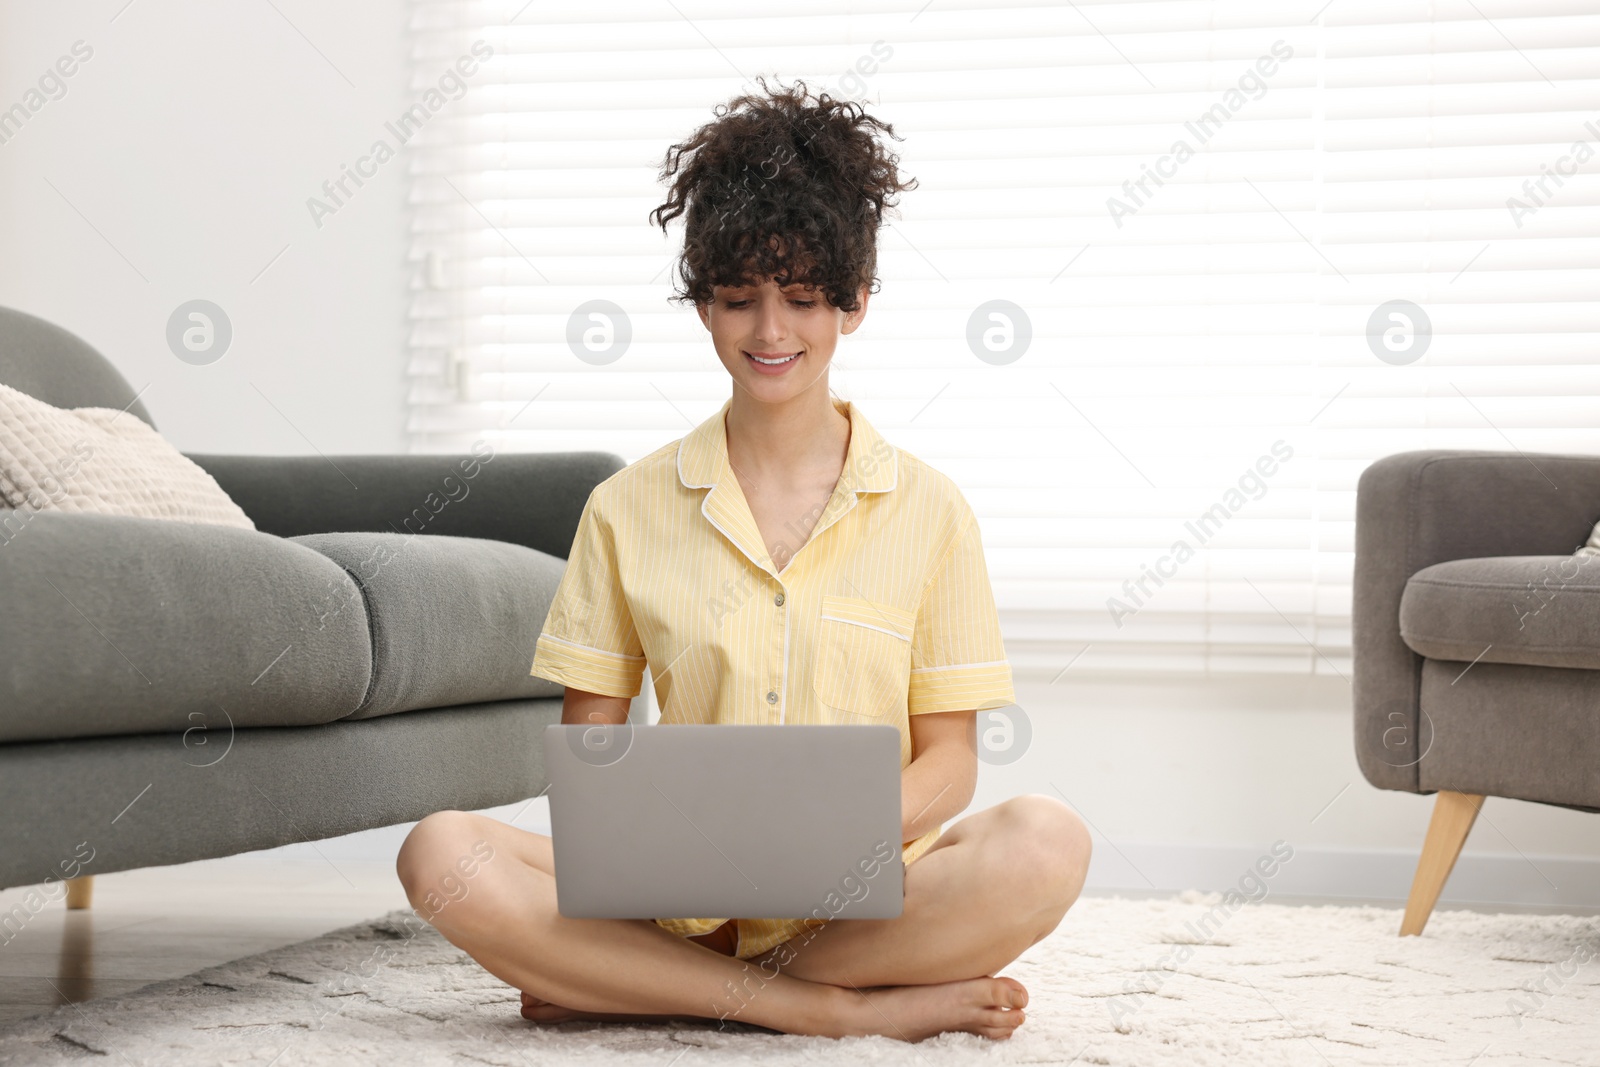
(1201, 210)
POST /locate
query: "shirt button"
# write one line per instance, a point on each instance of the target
(772, 697)
(778, 600)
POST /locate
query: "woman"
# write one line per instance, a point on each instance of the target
(782, 563)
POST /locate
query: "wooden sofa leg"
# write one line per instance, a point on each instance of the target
(79, 892)
(1453, 816)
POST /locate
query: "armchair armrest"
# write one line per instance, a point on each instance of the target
(525, 498)
(1415, 509)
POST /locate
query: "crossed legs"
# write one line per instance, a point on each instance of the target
(993, 884)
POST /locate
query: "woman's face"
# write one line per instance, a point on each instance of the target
(776, 342)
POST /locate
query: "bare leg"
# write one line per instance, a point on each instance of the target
(724, 940)
(504, 915)
(993, 884)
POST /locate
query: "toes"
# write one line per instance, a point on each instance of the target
(1002, 1020)
(547, 1013)
(1003, 993)
(1015, 994)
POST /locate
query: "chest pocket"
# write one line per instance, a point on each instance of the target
(863, 665)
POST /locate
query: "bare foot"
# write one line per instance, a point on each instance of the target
(988, 1007)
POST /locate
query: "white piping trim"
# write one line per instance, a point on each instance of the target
(894, 462)
(819, 530)
(868, 626)
(962, 666)
(705, 500)
(783, 696)
(589, 648)
(894, 456)
(679, 465)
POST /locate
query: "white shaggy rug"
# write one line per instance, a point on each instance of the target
(1135, 982)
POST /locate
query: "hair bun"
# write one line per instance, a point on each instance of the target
(782, 184)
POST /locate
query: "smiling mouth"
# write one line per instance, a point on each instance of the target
(772, 359)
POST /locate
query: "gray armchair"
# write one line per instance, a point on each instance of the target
(1476, 633)
(175, 691)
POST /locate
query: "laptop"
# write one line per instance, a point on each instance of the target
(680, 821)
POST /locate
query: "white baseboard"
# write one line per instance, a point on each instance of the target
(1375, 874)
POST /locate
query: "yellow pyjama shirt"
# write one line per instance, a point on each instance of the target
(883, 612)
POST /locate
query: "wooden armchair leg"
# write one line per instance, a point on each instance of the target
(79, 891)
(1453, 816)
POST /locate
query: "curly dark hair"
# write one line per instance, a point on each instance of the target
(785, 185)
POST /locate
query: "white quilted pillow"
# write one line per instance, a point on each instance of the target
(101, 460)
(1593, 547)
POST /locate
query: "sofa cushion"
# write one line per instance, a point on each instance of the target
(113, 624)
(454, 620)
(1541, 611)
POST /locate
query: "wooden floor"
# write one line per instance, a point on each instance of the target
(166, 922)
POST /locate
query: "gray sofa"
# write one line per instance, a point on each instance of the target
(1477, 639)
(174, 691)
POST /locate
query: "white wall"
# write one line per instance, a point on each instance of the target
(190, 140)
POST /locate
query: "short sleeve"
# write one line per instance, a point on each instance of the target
(589, 641)
(958, 658)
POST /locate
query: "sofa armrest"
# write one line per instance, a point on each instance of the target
(525, 498)
(1415, 509)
